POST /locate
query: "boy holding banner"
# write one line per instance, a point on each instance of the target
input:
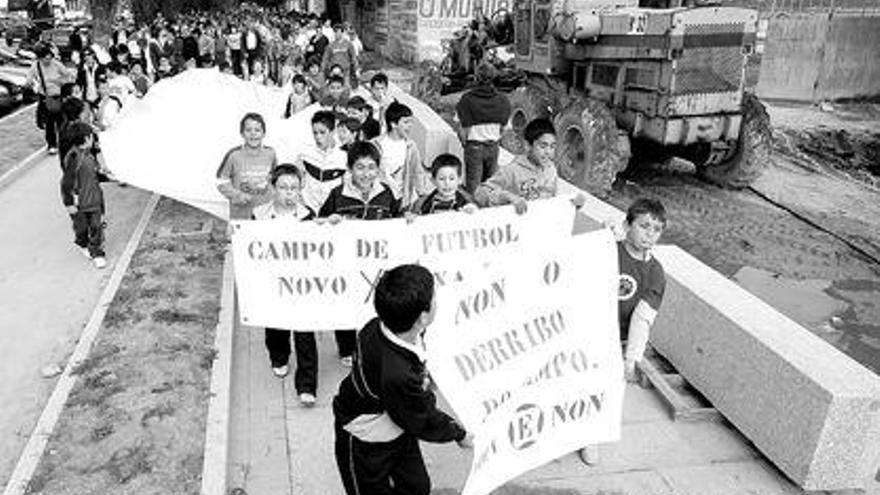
(361, 196)
(527, 177)
(286, 183)
(642, 284)
(386, 405)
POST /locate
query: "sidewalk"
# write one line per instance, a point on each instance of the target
(278, 447)
(48, 291)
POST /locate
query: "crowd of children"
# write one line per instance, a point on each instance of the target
(361, 163)
(355, 169)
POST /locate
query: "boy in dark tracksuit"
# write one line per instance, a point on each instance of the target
(82, 194)
(361, 196)
(447, 194)
(386, 405)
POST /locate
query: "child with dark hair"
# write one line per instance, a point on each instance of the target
(314, 78)
(299, 96)
(361, 196)
(336, 94)
(358, 108)
(139, 78)
(642, 284)
(527, 177)
(386, 405)
(447, 194)
(82, 195)
(322, 160)
(347, 132)
(286, 185)
(401, 166)
(243, 176)
(379, 99)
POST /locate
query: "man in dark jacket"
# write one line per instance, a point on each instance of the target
(386, 405)
(482, 112)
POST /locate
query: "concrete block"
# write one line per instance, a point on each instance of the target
(812, 410)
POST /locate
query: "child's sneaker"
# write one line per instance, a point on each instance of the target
(85, 252)
(346, 361)
(280, 371)
(306, 399)
(100, 262)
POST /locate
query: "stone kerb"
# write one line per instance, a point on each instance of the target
(812, 410)
(809, 408)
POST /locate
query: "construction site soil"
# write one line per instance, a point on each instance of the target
(805, 237)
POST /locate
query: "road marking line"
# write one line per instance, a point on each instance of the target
(216, 454)
(33, 451)
(7, 177)
(20, 110)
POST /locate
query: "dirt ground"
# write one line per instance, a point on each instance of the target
(135, 421)
(806, 236)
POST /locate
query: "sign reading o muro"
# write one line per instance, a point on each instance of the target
(439, 19)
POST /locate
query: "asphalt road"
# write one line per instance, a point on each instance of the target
(48, 291)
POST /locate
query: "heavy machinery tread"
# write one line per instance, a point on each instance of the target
(605, 151)
(527, 103)
(752, 153)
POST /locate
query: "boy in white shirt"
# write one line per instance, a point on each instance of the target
(401, 165)
(323, 163)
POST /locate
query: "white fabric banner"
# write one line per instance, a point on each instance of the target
(305, 276)
(528, 355)
(173, 140)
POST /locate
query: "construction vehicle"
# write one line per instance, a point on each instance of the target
(618, 78)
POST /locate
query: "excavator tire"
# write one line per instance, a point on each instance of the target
(591, 149)
(527, 103)
(746, 163)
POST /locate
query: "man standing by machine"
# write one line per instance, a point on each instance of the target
(482, 112)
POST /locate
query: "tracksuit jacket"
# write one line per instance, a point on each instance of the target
(388, 379)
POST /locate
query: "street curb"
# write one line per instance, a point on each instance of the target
(15, 171)
(19, 111)
(217, 425)
(39, 438)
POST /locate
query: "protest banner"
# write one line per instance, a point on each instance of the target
(304, 276)
(528, 356)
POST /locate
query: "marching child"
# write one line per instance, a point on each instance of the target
(243, 176)
(401, 164)
(447, 194)
(322, 161)
(82, 194)
(286, 187)
(528, 177)
(385, 405)
(641, 289)
(361, 196)
(336, 95)
(378, 98)
(347, 132)
(299, 96)
(358, 108)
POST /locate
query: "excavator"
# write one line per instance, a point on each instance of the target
(649, 78)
